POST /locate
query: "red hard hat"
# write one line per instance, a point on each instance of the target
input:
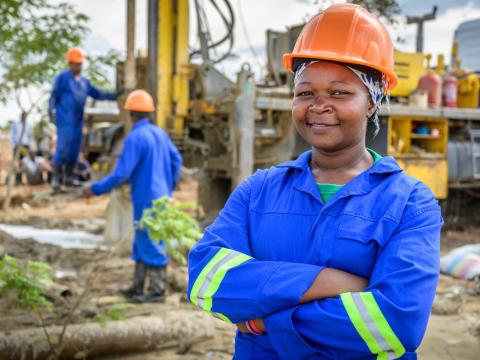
(139, 100)
(346, 33)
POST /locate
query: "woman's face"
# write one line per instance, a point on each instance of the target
(331, 106)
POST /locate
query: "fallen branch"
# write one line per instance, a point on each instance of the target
(92, 339)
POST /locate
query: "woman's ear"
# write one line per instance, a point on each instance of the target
(371, 108)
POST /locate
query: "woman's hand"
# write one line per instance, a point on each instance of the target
(242, 327)
(331, 282)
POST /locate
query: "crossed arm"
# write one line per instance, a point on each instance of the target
(329, 283)
(386, 314)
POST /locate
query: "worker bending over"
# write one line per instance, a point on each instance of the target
(70, 91)
(152, 165)
(334, 255)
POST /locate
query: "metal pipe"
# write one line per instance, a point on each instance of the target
(130, 61)
(152, 47)
(244, 125)
(165, 65)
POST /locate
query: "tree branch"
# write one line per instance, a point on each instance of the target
(17, 99)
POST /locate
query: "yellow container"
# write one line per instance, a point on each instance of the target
(409, 68)
(468, 90)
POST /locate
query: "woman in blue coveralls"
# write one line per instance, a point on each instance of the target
(334, 255)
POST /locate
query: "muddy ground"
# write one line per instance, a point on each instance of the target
(453, 331)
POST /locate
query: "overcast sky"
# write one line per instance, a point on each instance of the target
(107, 25)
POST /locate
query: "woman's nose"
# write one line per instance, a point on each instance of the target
(320, 106)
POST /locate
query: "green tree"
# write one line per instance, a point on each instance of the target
(99, 68)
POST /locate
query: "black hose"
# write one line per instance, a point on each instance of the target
(230, 33)
(229, 24)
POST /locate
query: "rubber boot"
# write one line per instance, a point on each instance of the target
(70, 180)
(18, 178)
(138, 280)
(57, 177)
(156, 289)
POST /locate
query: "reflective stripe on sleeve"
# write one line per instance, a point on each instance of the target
(218, 277)
(371, 325)
(203, 274)
(221, 317)
(210, 278)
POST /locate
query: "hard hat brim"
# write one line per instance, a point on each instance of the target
(76, 61)
(391, 76)
(134, 108)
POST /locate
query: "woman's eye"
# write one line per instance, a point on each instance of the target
(339, 93)
(305, 93)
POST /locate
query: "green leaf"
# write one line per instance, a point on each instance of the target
(115, 312)
(26, 281)
(169, 222)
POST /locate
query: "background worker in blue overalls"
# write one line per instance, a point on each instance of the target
(24, 144)
(67, 102)
(334, 255)
(152, 165)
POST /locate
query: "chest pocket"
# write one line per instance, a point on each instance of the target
(357, 243)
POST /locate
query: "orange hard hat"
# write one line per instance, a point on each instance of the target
(75, 55)
(346, 33)
(139, 100)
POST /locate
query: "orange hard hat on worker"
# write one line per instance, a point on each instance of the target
(75, 55)
(346, 33)
(139, 100)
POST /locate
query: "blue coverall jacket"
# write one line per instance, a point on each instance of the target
(152, 165)
(68, 99)
(275, 235)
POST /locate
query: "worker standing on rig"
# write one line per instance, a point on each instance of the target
(67, 102)
(152, 165)
(334, 255)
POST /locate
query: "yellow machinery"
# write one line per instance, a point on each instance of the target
(409, 68)
(225, 128)
(173, 70)
(228, 128)
(468, 90)
(423, 155)
(468, 83)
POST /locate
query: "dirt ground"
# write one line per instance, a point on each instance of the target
(453, 330)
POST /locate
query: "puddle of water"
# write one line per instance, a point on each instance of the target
(60, 274)
(67, 239)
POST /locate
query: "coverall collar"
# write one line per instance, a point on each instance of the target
(361, 184)
(70, 72)
(141, 122)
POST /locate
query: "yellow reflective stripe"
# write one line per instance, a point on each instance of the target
(222, 317)
(218, 277)
(208, 279)
(358, 323)
(371, 325)
(203, 274)
(211, 276)
(382, 323)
